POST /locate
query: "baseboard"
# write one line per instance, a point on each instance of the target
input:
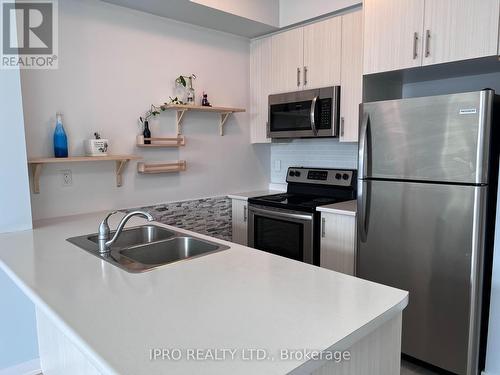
(27, 368)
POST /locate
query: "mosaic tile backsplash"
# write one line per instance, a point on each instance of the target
(210, 216)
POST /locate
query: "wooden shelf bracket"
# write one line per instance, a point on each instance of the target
(223, 119)
(180, 115)
(36, 170)
(120, 166)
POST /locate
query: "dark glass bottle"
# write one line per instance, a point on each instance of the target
(146, 133)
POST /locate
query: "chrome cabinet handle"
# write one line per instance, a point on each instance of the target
(323, 229)
(305, 75)
(312, 116)
(298, 77)
(415, 46)
(245, 215)
(427, 43)
(342, 122)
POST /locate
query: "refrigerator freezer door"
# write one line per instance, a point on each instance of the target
(440, 138)
(425, 238)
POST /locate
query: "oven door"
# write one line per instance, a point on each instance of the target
(282, 232)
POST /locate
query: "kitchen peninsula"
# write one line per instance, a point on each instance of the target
(95, 318)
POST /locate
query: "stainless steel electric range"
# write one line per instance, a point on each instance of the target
(288, 224)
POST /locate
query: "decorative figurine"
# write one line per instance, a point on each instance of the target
(204, 100)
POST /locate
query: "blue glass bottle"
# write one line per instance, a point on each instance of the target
(60, 139)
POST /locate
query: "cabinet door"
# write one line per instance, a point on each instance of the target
(287, 60)
(352, 75)
(338, 242)
(460, 29)
(239, 221)
(322, 53)
(260, 88)
(392, 34)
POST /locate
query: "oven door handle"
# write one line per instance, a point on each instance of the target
(280, 214)
(312, 116)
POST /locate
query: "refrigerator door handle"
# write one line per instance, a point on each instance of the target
(363, 146)
(362, 200)
(362, 171)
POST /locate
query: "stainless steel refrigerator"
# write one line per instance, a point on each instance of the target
(426, 200)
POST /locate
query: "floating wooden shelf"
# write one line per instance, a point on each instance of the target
(224, 113)
(161, 142)
(161, 167)
(37, 164)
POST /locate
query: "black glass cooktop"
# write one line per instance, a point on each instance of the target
(293, 201)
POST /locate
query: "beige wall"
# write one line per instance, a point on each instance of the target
(115, 62)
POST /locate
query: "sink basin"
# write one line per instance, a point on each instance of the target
(143, 248)
(178, 248)
(138, 236)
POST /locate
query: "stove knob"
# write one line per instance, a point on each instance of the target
(291, 173)
(345, 176)
(338, 176)
(297, 174)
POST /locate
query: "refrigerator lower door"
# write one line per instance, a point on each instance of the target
(427, 239)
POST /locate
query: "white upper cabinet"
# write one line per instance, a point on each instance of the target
(400, 34)
(322, 53)
(460, 29)
(351, 92)
(287, 60)
(392, 34)
(260, 88)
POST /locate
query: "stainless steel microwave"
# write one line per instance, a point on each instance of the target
(304, 114)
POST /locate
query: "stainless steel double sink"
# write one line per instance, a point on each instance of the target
(146, 247)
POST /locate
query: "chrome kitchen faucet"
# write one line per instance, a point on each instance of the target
(104, 233)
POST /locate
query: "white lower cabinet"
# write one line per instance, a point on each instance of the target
(240, 221)
(338, 242)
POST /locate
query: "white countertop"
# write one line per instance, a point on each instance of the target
(239, 298)
(343, 208)
(251, 194)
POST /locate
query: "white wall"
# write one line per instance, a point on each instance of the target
(114, 62)
(18, 341)
(265, 11)
(295, 11)
(15, 205)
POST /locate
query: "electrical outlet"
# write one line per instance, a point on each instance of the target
(277, 165)
(67, 177)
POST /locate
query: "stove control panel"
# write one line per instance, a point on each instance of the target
(334, 177)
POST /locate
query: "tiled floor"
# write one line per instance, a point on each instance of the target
(408, 368)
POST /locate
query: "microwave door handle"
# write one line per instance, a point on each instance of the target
(313, 115)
